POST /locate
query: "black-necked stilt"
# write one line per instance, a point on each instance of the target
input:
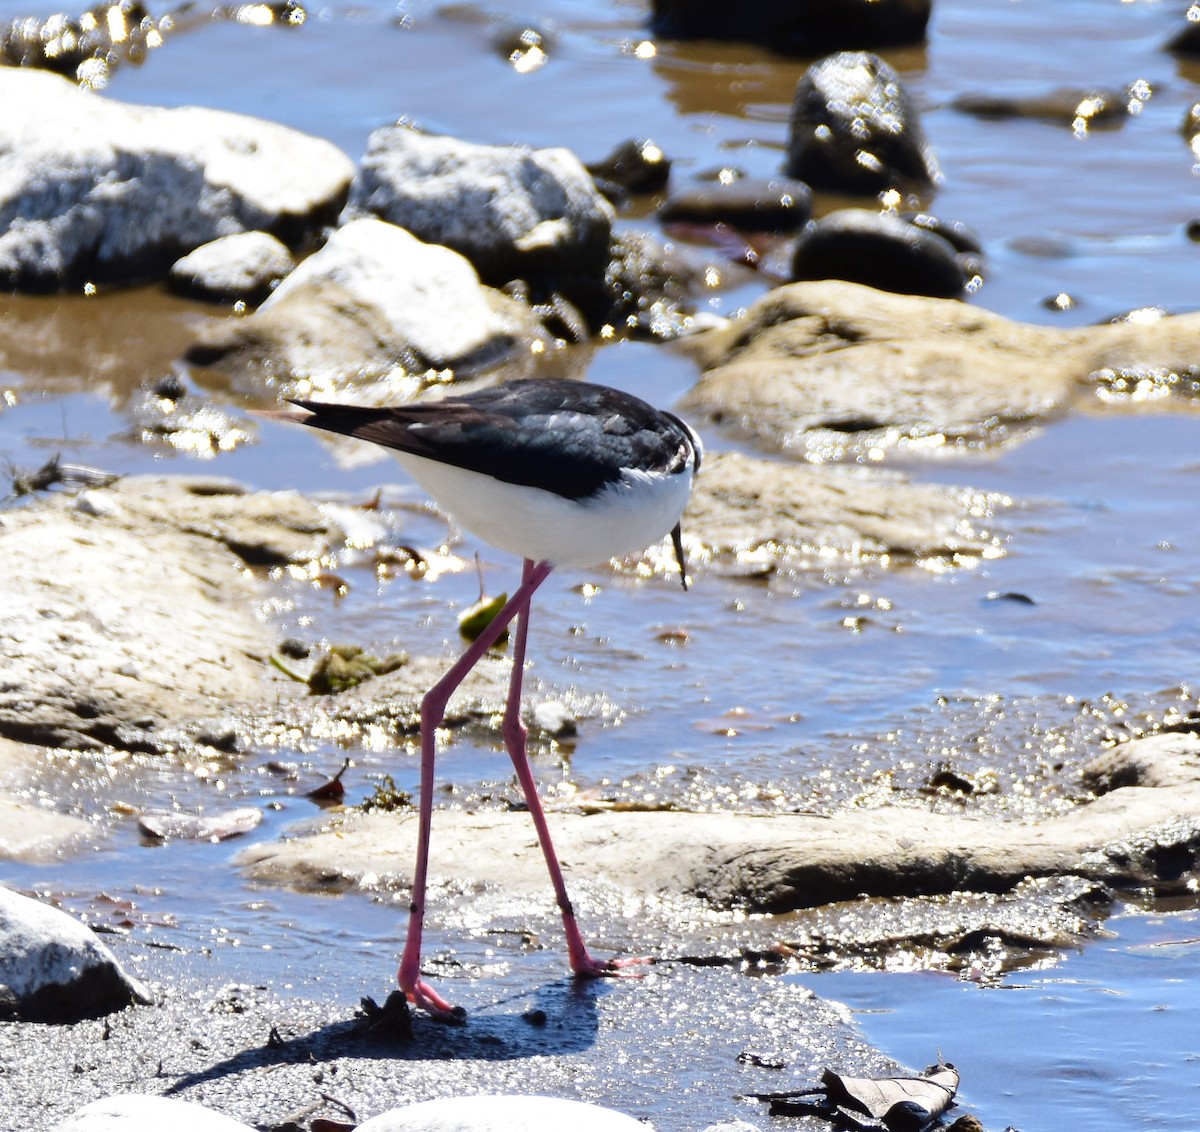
(563, 474)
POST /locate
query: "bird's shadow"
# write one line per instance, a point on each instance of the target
(563, 1018)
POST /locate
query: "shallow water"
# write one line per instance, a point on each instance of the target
(874, 679)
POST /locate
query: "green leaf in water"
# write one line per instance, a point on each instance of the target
(473, 620)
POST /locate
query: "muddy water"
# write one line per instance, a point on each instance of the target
(819, 689)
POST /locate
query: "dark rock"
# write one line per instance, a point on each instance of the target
(100, 192)
(53, 969)
(633, 167)
(1191, 127)
(650, 287)
(1086, 106)
(1186, 41)
(86, 48)
(962, 236)
(754, 204)
(525, 46)
(854, 129)
(881, 251)
(118, 32)
(796, 28)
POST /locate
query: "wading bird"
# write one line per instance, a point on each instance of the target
(562, 473)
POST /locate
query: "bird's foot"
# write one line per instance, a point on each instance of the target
(585, 967)
(423, 996)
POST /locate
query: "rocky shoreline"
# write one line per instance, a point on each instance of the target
(137, 619)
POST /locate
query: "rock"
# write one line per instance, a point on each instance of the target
(853, 129)
(54, 968)
(86, 49)
(136, 1112)
(527, 46)
(116, 32)
(1191, 131)
(633, 167)
(29, 832)
(879, 250)
(127, 609)
(836, 370)
(826, 369)
(1080, 107)
(372, 301)
(171, 825)
(753, 204)
(753, 516)
(798, 29)
(653, 288)
(781, 862)
(960, 236)
(502, 1114)
(983, 932)
(243, 267)
(1186, 41)
(514, 212)
(391, 704)
(98, 191)
(1156, 762)
(554, 718)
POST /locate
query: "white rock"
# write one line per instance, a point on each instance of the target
(372, 300)
(55, 967)
(429, 297)
(134, 1112)
(554, 717)
(28, 832)
(93, 189)
(502, 1114)
(244, 265)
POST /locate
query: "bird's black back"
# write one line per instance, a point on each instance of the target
(569, 437)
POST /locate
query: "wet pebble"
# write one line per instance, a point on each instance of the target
(525, 46)
(200, 827)
(554, 718)
(754, 204)
(633, 167)
(245, 266)
(1078, 106)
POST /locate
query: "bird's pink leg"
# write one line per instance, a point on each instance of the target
(433, 711)
(515, 735)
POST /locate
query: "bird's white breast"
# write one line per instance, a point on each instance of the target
(624, 518)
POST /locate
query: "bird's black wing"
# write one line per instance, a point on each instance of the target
(568, 437)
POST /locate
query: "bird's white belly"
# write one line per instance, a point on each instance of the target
(542, 526)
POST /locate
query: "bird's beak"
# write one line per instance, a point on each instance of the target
(677, 541)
